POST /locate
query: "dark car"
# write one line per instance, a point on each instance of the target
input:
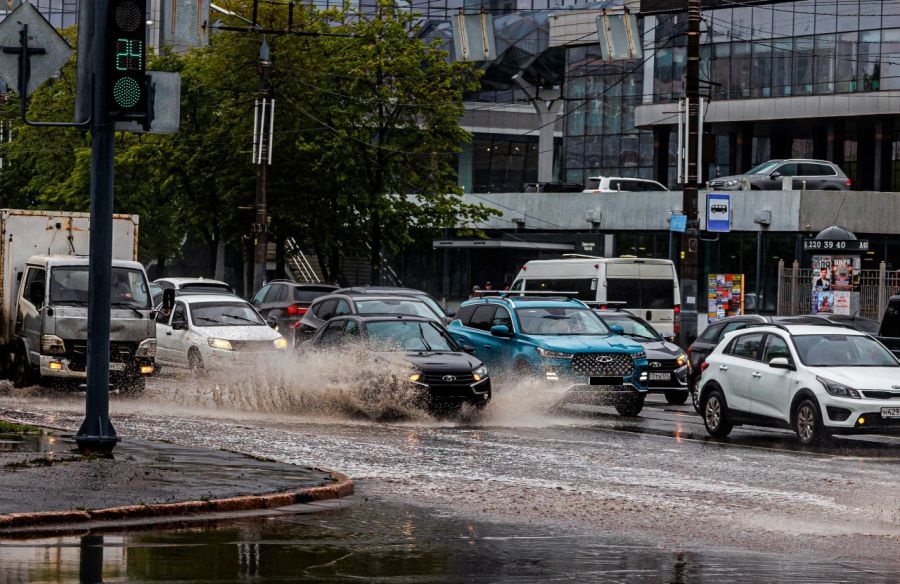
(669, 370)
(430, 359)
(709, 338)
(397, 291)
(327, 307)
(807, 174)
(283, 303)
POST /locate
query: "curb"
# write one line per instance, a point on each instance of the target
(342, 487)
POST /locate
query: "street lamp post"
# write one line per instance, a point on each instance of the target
(264, 115)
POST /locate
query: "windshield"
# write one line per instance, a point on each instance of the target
(225, 314)
(560, 321)
(631, 327)
(408, 336)
(764, 168)
(207, 287)
(69, 286)
(843, 351)
(395, 306)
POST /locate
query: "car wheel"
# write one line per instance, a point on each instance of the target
(695, 393)
(22, 375)
(630, 405)
(676, 398)
(715, 414)
(195, 363)
(808, 423)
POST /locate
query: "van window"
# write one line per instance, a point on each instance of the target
(585, 287)
(641, 293)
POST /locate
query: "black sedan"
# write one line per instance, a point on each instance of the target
(669, 368)
(445, 375)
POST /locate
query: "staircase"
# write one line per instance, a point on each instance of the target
(302, 269)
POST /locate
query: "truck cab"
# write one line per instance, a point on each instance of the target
(50, 324)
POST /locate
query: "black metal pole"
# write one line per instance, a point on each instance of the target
(96, 433)
(264, 111)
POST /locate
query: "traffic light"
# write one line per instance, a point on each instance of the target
(129, 86)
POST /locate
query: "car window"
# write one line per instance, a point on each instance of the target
(408, 336)
(342, 308)
(406, 306)
(789, 169)
(502, 318)
(517, 286)
(325, 310)
(238, 313)
(179, 315)
(826, 170)
(483, 317)
(890, 324)
(592, 184)
(332, 334)
(840, 350)
(631, 326)
(733, 326)
(309, 294)
(464, 314)
(208, 287)
(261, 294)
(711, 333)
(776, 347)
(746, 346)
(560, 321)
(352, 329)
(163, 316)
(586, 288)
(615, 185)
(35, 284)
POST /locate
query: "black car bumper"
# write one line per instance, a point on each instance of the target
(669, 379)
(441, 393)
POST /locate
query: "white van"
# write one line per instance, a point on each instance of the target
(648, 287)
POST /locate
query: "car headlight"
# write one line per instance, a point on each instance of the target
(147, 348)
(52, 345)
(838, 389)
(681, 360)
(280, 343)
(414, 377)
(548, 354)
(639, 355)
(480, 373)
(220, 344)
(729, 183)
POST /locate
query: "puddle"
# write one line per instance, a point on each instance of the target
(36, 442)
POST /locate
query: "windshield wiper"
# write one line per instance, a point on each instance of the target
(422, 338)
(242, 318)
(127, 305)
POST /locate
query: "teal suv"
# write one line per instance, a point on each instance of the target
(558, 340)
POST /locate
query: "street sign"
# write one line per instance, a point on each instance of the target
(47, 50)
(718, 212)
(678, 222)
(836, 245)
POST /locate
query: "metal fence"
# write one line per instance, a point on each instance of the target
(795, 290)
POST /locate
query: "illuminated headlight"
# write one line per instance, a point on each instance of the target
(52, 345)
(643, 376)
(681, 360)
(280, 343)
(727, 183)
(548, 354)
(220, 344)
(639, 355)
(415, 377)
(480, 373)
(147, 348)
(838, 389)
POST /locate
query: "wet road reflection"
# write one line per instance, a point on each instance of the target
(366, 541)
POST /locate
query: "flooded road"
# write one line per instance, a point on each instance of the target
(574, 495)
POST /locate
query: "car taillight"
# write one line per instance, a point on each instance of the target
(849, 183)
(297, 310)
(676, 325)
(703, 366)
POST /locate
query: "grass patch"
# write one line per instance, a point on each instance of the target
(12, 428)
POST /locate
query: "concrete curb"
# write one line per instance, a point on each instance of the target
(342, 487)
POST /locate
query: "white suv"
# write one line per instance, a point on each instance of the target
(615, 184)
(816, 380)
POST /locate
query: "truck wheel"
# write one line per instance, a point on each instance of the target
(22, 376)
(195, 363)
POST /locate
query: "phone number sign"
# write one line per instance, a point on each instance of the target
(836, 245)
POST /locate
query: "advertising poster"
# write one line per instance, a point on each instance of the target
(842, 302)
(834, 280)
(725, 296)
(845, 273)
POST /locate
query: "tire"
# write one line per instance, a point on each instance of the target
(695, 393)
(195, 363)
(715, 414)
(22, 375)
(807, 423)
(676, 398)
(630, 405)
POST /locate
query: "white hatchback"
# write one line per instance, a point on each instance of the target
(815, 380)
(212, 332)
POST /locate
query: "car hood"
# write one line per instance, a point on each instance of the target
(430, 361)
(661, 349)
(239, 333)
(861, 377)
(586, 343)
(732, 177)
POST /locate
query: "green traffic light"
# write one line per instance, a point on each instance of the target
(126, 92)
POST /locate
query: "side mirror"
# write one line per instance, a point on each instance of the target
(168, 297)
(179, 325)
(782, 363)
(775, 174)
(669, 337)
(272, 322)
(501, 330)
(469, 349)
(616, 329)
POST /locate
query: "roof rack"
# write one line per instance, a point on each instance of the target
(611, 304)
(525, 293)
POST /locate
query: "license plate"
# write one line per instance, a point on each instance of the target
(890, 412)
(594, 380)
(660, 376)
(117, 366)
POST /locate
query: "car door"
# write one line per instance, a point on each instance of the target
(502, 346)
(28, 312)
(736, 367)
(276, 298)
(179, 335)
(771, 388)
(773, 180)
(164, 337)
(479, 334)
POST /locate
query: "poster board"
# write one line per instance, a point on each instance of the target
(725, 296)
(835, 279)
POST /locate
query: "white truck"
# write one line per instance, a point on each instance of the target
(44, 297)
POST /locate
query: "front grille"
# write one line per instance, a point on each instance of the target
(76, 353)
(438, 378)
(603, 364)
(664, 365)
(876, 394)
(252, 346)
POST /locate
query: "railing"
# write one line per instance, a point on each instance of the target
(298, 261)
(795, 288)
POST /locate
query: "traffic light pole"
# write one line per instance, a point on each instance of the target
(96, 433)
(262, 157)
(690, 247)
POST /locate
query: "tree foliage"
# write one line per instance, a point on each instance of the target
(366, 114)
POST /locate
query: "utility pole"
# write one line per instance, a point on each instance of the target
(690, 242)
(262, 157)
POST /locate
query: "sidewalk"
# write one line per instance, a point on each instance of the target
(44, 481)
